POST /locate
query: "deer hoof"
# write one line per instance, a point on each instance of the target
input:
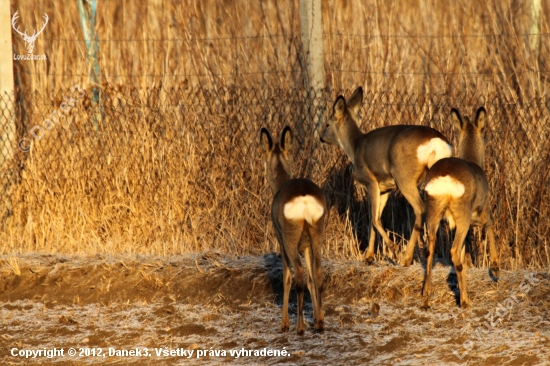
(495, 270)
(425, 307)
(374, 309)
(369, 260)
(320, 326)
(284, 328)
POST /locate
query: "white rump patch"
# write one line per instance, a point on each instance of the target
(303, 208)
(445, 186)
(433, 150)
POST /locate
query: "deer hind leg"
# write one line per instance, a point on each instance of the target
(287, 284)
(319, 284)
(315, 275)
(292, 235)
(458, 251)
(410, 191)
(308, 256)
(299, 283)
(377, 203)
(288, 235)
(435, 209)
(488, 234)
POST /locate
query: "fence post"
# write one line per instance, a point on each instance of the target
(87, 22)
(7, 122)
(7, 118)
(311, 25)
(534, 38)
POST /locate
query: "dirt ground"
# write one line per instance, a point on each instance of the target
(135, 310)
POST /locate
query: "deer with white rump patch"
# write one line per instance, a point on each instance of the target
(299, 213)
(457, 190)
(385, 159)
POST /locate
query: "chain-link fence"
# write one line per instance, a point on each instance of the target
(180, 170)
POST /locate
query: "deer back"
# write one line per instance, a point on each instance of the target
(295, 200)
(462, 179)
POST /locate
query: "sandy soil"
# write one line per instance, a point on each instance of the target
(214, 306)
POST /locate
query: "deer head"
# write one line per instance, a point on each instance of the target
(29, 40)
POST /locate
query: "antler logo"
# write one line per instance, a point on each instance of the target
(29, 40)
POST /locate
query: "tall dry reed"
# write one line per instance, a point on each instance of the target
(180, 171)
(170, 163)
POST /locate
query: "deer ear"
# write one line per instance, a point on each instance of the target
(286, 139)
(481, 119)
(457, 119)
(356, 99)
(265, 140)
(339, 107)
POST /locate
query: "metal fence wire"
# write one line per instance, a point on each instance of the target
(156, 165)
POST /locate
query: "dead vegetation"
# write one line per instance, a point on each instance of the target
(420, 47)
(215, 279)
(169, 173)
(168, 164)
(231, 302)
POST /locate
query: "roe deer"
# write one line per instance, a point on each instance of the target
(299, 212)
(457, 189)
(385, 159)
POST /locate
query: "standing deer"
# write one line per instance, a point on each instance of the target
(299, 213)
(29, 40)
(457, 189)
(385, 159)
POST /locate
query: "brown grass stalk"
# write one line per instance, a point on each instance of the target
(186, 86)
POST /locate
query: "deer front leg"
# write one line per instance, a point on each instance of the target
(495, 262)
(410, 191)
(377, 203)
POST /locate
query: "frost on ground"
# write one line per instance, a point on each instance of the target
(218, 309)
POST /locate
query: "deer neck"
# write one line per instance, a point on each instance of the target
(473, 153)
(279, 176)
(349, 138)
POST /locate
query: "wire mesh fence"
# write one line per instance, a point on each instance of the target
(180, 170)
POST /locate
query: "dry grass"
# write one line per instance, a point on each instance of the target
(434, 47)
(415, 46)
(180, 172)
(174, 167)
(13, 264)
(166, 43)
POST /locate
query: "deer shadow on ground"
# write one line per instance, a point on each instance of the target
(351, 202)
(474, 255)
(274, 266)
